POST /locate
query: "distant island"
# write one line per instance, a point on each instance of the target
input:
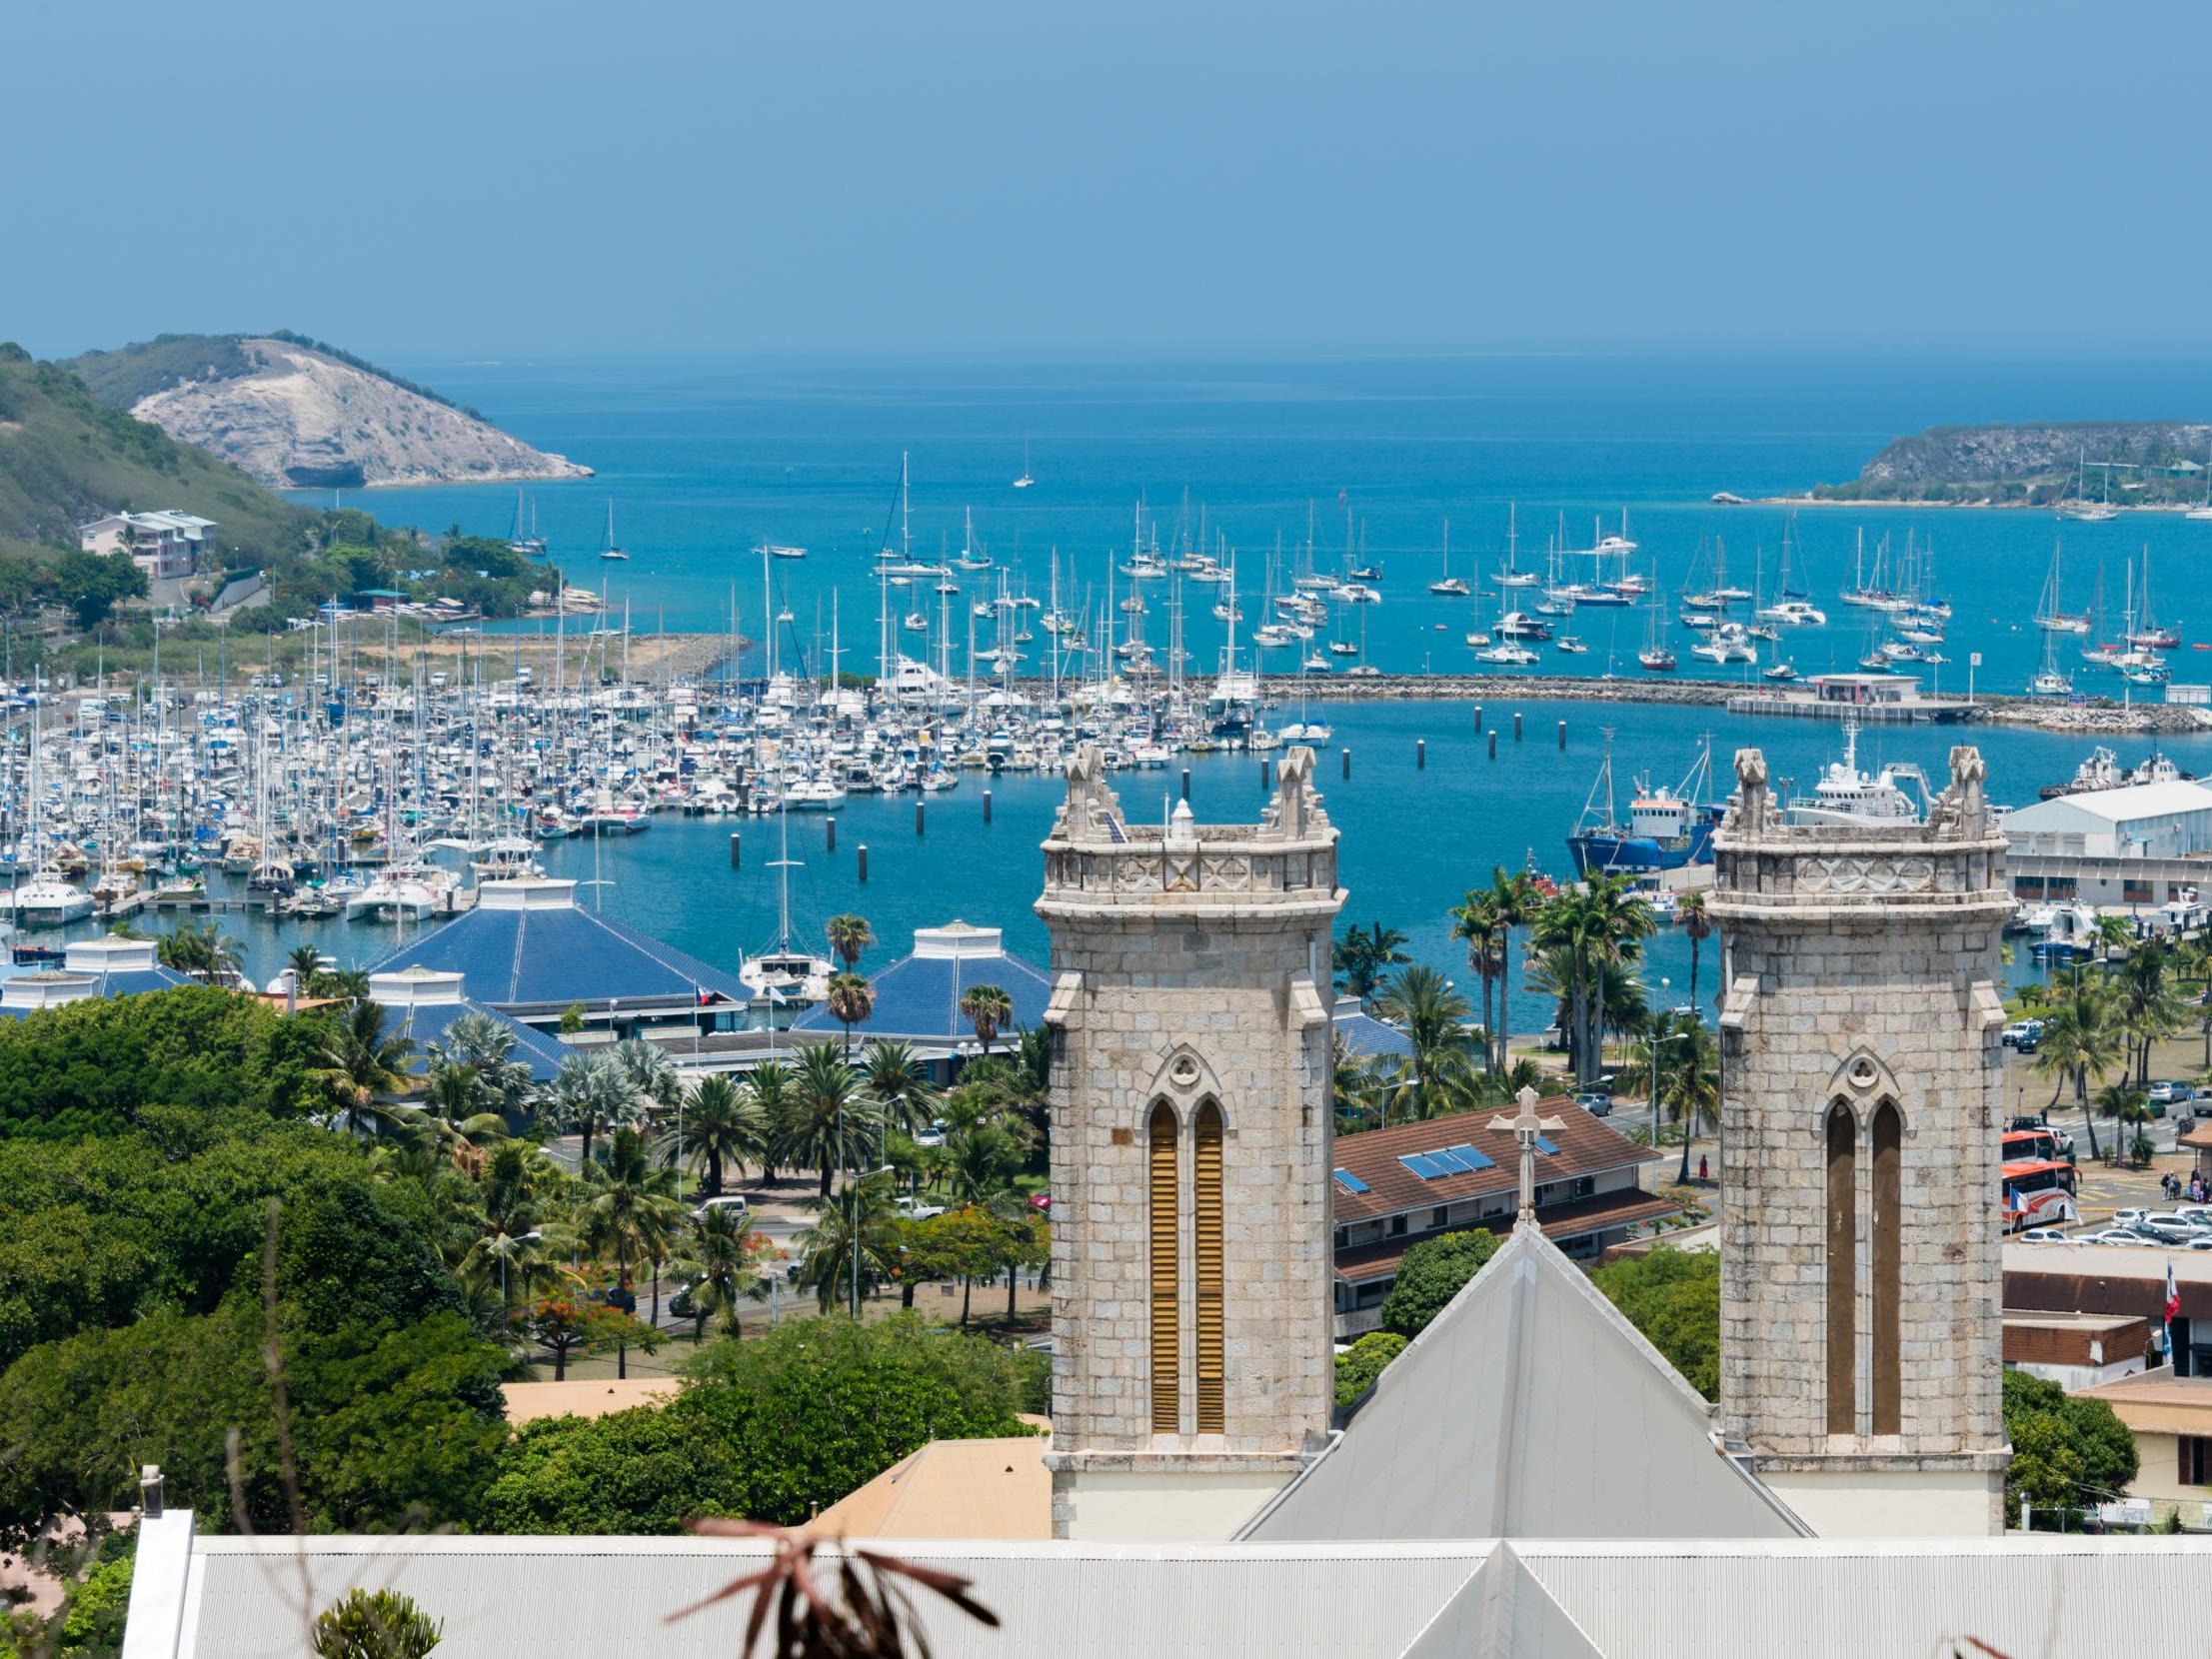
(2159, 464)
(297, 413)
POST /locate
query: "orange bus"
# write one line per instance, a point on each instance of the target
(2036, 1192)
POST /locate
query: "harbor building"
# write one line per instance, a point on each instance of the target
(421, 1003)
(2142, 847)
(105, 966)
(1862, 1083)
(1191, 1127)
(1364, 1036)
(165, 544)
(1393, 1188)
(529, 951)
(918, 997)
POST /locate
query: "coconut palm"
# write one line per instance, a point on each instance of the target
(722, 1259)
(769, 1088)
(629, 1208)
(850, 935)
(2081, 1040)
(859, 1227)
(358, 1067)
(503, 1231)
(2128, 1107)
(2152, 1006)
(852, 999)
(1514, 894)
(590, 1093)
(1359, 1099)
(306, 963)
(723, 1126)
(202, 950)
(1436, 1076)
(1590, 930)
(1687, 1086)
(989, 1009)
(1475, 924)
(1697, 927)
(1365, 955)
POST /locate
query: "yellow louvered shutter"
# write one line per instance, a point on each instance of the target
(1206, 1171)
(1167, 1291)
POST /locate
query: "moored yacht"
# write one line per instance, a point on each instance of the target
(1848, 797)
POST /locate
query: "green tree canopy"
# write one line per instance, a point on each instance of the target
(1358, 1366)
(1673, 1297)
(1431, 1274)
(2069, 1454)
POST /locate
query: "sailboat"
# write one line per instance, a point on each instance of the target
(1513, 575)
(2081, 508)
(2203, 510)
(2048, 616)
(1450, 586)
(1024, 480)
(2147, 635)
(1655, 656)
(784, 976)
(2047, 681)
(613, 548)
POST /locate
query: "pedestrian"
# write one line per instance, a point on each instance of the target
(1704, 1171)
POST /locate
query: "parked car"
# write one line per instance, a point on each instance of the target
(2027, 1045)
(2044, 1235)
(2200, 1105)
(1597, 1104)
(1041, 1202)
(2028, 1031)
(729, 1202)
(914, 1209)
(2026, 1123)
(2171, 1092)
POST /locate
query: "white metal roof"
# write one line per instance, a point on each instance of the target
(2124, 806)
(1530, 1407)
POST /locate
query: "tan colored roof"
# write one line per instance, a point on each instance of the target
(528, 1401)
(953, 1490)
(2158, 1401)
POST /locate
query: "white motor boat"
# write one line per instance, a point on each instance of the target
(50, 900)
(1850, 797)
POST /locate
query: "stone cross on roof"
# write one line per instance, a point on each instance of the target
(1526, 1126)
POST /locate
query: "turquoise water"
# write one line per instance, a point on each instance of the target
(705, 461)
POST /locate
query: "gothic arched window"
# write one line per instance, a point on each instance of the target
(1887, 1266)
(1205, 1236)
(1842, 1270)
(1167, 1271)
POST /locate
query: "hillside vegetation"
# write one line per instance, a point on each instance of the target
(2136, 462)
(122, 377)
(66, 457)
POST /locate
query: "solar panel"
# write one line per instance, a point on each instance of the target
(1423, 1165)
(1469, 1158)
(1543, 1145)
(1350, 1182)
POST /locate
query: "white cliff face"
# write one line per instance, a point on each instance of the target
(304, 420)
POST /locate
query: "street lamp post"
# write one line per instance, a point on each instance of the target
(1657, 1030)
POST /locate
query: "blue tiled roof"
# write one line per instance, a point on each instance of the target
(548, 959)
(1366, 1035)
(424, 1025)
(918, 999)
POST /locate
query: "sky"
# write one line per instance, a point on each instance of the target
(456, 179)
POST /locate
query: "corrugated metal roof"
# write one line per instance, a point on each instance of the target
(425, 1023)
(918, 999)
(1530, 1407)
(549, 957)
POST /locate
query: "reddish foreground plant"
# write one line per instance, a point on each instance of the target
(862, 1612)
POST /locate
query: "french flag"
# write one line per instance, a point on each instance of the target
(2173, 1295)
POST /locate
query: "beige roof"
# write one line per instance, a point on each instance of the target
(528, 1401)
(2158, 1401)
(953, 1490)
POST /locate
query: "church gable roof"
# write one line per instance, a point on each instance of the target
(1530, 1408)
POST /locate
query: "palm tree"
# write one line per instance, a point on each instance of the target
(589, 1093)
(306, 963)
(722, 1126)
(1474, 922)
(349, 985)
(201, 950)
(1516, 899)
(359, 1064)
(1697, 927)
(979, 1161)
(1364, 954)
(2127, 1106)
(1437, 1076)
(482, 1046)
(896, 1084)
(989, 1010)
(630, 1208)
(852, 999)
(2150, 1006)
(862, 1223)
(850, 935)
(770, 1090)
(503, 1231)
(648, 1072)
(2081, 1040)
(824, 1091)
(1597, 926)
(1354, 1094)
(722, 1262)
(1687, 1086)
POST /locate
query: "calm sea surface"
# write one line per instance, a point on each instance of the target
(702, 462)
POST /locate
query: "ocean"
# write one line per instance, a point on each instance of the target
(704, 461)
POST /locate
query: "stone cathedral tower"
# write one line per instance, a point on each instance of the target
(1862, 1089)
(1192, 1130)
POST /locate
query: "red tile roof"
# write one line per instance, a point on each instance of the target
(1586, 1145)
(1623, 1208)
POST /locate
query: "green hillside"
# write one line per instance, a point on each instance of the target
(66, 457)
(121, 377)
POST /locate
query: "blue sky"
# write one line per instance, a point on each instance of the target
(475, 178)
